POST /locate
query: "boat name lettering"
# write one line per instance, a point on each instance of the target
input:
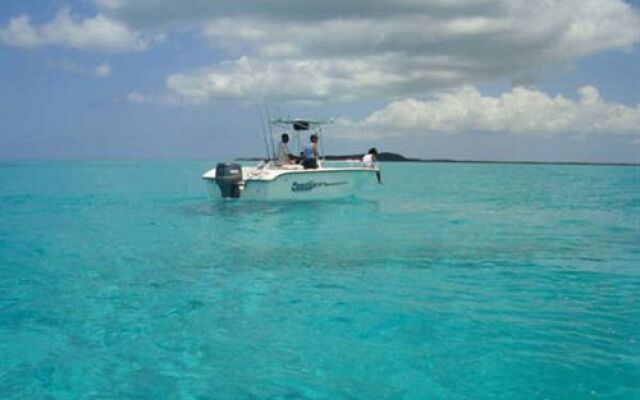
(310, 185)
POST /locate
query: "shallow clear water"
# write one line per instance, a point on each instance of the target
(451, 281)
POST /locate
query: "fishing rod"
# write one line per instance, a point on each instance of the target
(264, 133)
(273, 147)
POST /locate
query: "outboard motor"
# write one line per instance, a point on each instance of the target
(228, 178)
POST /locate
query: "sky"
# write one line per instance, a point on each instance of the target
(467, 79)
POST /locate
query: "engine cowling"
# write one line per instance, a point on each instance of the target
(229, 179)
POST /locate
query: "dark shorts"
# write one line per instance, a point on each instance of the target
(310, 163)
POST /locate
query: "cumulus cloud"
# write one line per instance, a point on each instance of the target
(96, 33)
(337, 50)
(401, 50)
(305, 80)
(515, 33)
(19, 32)
(521, 111)
(347, 50)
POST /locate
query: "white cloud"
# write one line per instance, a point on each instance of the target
(103, 70)
(19, 32)
(335, 79)
(96, 33)
(347, 50)
(554, 33)
(402, 50)
(522, 111)
(337, 51)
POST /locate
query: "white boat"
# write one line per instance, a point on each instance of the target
(273, 180)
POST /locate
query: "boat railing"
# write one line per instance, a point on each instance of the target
(277, 165)
(347, 164)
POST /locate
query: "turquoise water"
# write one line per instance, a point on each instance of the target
(123, 280)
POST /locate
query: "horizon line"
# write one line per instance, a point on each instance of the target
(406, 159)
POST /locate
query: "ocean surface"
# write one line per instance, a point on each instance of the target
(124, 280)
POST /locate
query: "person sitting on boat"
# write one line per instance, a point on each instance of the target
(284, 155)
(311, 154)
(370, 158)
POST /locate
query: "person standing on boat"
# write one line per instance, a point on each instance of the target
(311, 154)
(370, 158)
(284, 155)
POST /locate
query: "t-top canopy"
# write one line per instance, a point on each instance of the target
(299, 124)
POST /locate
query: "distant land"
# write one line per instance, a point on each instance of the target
(395, 157)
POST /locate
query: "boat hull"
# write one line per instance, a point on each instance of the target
(324, 184)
